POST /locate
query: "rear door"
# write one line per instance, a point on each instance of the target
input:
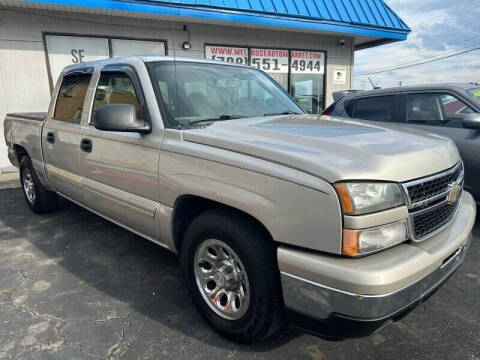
(120, 169)
(62, 134)
(442, 112)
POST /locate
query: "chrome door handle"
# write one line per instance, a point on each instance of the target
(86, 145)
(51, 137)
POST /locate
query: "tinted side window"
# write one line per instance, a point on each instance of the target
(329, 110)
(378, 108)
(338, 108)
(116, 88)
(71, 97)
(436, 109)
(474, 93)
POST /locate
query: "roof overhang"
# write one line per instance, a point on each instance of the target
(364, 36)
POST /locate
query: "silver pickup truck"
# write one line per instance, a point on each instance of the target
(278, 216)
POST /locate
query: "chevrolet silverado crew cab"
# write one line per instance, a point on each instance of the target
(277, 215)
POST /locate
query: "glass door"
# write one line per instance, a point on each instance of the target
(307, 78)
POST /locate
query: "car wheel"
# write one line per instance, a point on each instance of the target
(38, 199)
(232, 275)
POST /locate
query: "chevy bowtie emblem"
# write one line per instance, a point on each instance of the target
(454, 193)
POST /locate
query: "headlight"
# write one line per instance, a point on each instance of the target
(357, 198)
(366, 241)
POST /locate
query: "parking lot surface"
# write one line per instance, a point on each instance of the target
(75, 286)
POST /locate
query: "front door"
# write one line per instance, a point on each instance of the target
(442, 113)
(120, 169)
(62, 136)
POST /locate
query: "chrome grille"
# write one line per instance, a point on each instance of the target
(430, 208)
(423, 190)
(432, 220)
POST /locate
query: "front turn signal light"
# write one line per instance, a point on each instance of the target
(350, 242)
(371, 240)
(344, 196)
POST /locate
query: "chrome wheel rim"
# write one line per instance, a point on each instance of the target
(222, 279)
(28, 185)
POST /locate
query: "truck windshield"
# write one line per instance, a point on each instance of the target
(199, 93)
(475, 92)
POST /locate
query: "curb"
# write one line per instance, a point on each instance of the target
(10, 180)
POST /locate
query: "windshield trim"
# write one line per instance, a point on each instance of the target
(168, 121)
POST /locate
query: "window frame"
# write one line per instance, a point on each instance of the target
(454, 94)
(74, 72)
(350, 106)
(131, 73)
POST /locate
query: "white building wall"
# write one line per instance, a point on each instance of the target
(24, 83)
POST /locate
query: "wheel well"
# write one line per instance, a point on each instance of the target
(188, 207)
(20, 151)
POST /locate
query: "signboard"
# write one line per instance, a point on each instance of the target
(273, 62)
(307, 62)
(340, 75)
(237, 55)
(122, 47)
(69, 50)
(270, 61)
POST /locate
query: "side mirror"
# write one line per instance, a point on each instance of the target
(471, 121)
(119, 117)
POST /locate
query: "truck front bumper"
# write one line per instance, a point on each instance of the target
(373, 291)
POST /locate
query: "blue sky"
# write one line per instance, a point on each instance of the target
(439, 27)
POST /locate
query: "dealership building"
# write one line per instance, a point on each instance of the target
(307, 46)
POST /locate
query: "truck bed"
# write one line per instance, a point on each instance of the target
(25, 131)
(36, 116)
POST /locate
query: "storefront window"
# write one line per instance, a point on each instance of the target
(68, 50)
(301, 73)
(64, 50)
(273, 61)
(125, 47)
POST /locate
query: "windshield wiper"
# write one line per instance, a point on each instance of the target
(220, 118)
(282, 113)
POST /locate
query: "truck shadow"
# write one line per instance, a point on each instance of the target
(118, 263)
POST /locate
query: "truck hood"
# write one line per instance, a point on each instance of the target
(332, 148)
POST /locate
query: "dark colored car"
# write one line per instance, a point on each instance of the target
(451, 110)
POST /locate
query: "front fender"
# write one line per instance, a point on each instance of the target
(293, 213)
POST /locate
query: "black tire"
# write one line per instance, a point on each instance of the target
(44, 201)
(265, 313)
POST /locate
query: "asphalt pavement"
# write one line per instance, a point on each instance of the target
(74, 286)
